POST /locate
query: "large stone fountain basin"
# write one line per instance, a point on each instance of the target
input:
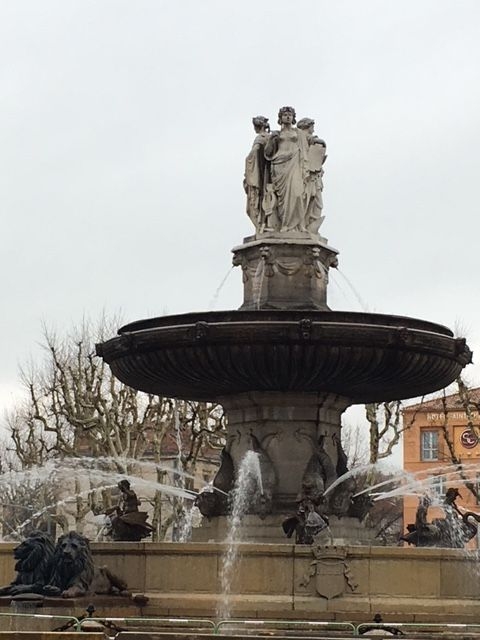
(284, 581)
(211, 355)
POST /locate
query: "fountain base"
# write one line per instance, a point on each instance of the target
(282, 581)
(342, 531)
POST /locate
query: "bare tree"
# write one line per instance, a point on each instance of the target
(386, 427)
(197, 436)
(355, 444)
(76, 407)
(469, 405)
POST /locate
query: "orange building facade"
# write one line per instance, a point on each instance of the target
(427, 458)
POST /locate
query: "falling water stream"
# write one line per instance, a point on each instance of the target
(257, 285)
(358, 470)
(351, 289)
(248, 482)
(361, 302)
(99, 473)
(182, 526)
(216, 295)
(405, 483)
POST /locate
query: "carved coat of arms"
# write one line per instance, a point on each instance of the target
(331, 572)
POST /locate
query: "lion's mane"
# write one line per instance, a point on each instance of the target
(72, 567)
(34, 564)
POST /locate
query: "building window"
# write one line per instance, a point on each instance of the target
(429, 445)
(439, 486)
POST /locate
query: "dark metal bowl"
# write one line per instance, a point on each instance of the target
(365, 357)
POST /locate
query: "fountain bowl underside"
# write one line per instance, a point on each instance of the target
(210, 355)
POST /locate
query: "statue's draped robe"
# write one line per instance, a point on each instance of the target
(255, 167)
(314, 185)
(288, 154)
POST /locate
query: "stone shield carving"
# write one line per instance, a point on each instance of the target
(331, 572)
(329, 578)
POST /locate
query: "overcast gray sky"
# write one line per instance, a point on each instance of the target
(125, 124)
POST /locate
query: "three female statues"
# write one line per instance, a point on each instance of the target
(283, 175)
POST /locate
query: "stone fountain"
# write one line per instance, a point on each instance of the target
(285, 367)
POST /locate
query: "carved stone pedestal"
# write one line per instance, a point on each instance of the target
(287, 428)
(287, 271)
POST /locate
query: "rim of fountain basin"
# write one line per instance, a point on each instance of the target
(365, 357)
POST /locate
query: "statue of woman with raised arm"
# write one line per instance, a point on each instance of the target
(287, 152)
(256, 169)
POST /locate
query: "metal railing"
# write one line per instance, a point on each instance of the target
(207, 626)
(422, 627)
(44, 616)
(204, 624)
(297, 625)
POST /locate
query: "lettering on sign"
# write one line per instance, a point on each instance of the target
(452, 415)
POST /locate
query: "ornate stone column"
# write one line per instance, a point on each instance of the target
(287, 427)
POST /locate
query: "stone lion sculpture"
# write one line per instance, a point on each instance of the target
(33, 565)
(74, 574)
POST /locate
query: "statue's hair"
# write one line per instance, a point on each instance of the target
(304, 123)
(261, 121)
(283, 110)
